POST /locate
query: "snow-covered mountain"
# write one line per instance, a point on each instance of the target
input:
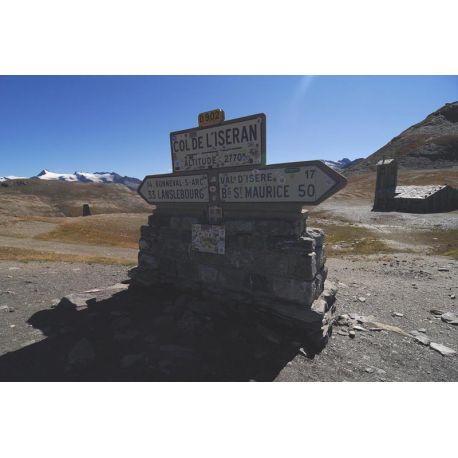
(11, 177)
(342, 164)
(84, 177)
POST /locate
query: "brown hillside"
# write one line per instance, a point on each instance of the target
(59, 198)
(430, 144)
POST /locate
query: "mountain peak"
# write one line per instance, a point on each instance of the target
(342, 164)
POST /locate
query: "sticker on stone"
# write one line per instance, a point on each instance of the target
(208, 238)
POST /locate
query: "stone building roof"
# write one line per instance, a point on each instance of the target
(417, 192)
(385, 161)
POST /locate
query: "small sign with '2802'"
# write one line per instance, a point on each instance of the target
(211, 118)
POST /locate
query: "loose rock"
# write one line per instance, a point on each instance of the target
(421, 339)
(442, 349)
(450, 318)
(365, 318)
(376, 326)
(303, 352)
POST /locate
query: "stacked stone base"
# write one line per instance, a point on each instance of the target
(276, 265)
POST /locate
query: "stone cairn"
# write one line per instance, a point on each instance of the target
(274, 265)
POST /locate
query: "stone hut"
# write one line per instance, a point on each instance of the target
(410, 199)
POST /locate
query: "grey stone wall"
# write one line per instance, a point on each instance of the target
(275, 264)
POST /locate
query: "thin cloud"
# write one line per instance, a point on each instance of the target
(299, 94)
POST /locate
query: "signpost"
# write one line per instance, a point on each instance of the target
(227, 222)
(233, 178)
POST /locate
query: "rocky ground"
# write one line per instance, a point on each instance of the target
(385, 305)
(399, 291)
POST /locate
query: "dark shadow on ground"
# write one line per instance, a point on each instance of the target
(153, 335)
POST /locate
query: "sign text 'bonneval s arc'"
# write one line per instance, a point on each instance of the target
(303, 182)
(169, 188)
(233, 143)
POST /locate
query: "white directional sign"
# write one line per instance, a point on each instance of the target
(169, 188)
(308, 183)
(303, 182)
(232, 143)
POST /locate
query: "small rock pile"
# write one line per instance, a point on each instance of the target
(351, 322)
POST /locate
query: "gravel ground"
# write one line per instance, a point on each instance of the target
(30, 287)
(134, 338)
(360, 213)
(410, 285)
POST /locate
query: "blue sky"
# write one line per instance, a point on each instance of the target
(122, 124)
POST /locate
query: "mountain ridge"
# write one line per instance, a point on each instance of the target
(82, 177)
(428, 144)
